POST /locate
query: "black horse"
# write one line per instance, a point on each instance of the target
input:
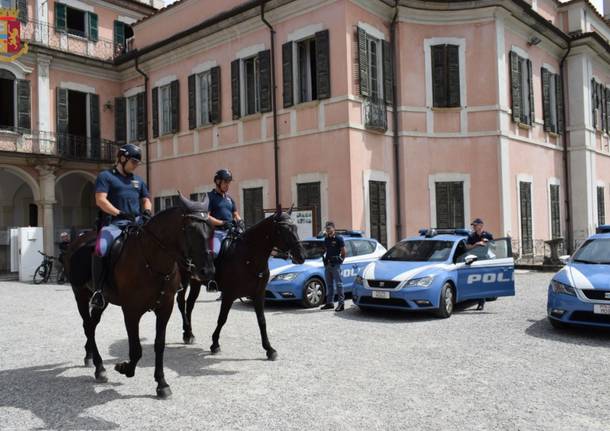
(244, 271)
(144, 278)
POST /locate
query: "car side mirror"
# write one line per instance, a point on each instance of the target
(564, 259)
(470, 259)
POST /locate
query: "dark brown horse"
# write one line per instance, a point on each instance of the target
(244, 272)
(145, 278)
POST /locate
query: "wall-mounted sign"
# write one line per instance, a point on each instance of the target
(11, 47)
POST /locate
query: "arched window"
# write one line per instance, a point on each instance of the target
(14, 102)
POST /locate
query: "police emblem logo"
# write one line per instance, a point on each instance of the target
(381, 284)
(11, 46)
(135, 184)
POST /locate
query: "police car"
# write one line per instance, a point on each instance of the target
(305, 282)
(434, 271)
(579, 294)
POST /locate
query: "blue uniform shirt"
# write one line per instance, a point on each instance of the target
(473, 238)
(124, 192)
(333, 246)
(221, 206)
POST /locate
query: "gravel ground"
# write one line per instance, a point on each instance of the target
(504, 368)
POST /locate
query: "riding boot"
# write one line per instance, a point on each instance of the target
(97, 301)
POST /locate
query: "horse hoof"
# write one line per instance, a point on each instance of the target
(124, 369)
(188, 339)
(215, 349)
(272, 355)
(164, 393)
(88, 362)
(101, 377)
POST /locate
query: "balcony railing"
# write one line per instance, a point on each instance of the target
(45, 34)
(62, 145)
(375, 116)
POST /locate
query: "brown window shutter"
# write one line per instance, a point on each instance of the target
(531, 93)
(363, 63)
(192, 89)
(61, 112)
(264, 65)
(155, 111)
(94, 125)
(546, 99)
(515, 86)
(453, 76)
(559, 101)
(141, 122)
(120, 120)
(323, 64)
(24, 117)
(287, 78)
(215, 95)
(175, 105)
(439, 76)
(235, 84)
(388, 72)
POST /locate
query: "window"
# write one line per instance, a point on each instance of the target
(449, 204)
(522, 92)
(306, 66)
(123, 35)
(552, 101)
(166, 124)
(378, 211)
(445, 76)
(361, 247)
(308, 195)
(375, 86)
(76, 22)
(251, 77)
(132, 119)
(555, 211)
(203, 101)
(601, 207)
(204, 98)
(165, 202)
(251, 85)
(253, 206)
(600, 102)
(14, 102)
(525, 205)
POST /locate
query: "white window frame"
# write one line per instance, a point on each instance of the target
(314, 177)
(449, 177)
(132, 134)
(254, 184)
(203, 79)
(243, 92)
(165, 96)
(554, 182)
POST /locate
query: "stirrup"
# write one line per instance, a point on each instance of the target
(97, 303)
(212, 286)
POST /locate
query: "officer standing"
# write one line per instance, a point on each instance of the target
(333, 258)
(478, 238)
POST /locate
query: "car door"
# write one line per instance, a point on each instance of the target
(491, 275)
(348, 272)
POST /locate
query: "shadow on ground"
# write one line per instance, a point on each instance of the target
(579, 335)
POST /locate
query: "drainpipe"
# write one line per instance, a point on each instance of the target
(395, 137)
(141, 72)
(566, 162)
(274, 106)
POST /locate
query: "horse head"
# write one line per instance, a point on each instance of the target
(198, 231)
(286, 236)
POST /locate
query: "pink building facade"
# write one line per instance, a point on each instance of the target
(383, 117)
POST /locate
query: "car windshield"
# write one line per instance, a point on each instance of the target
(312, 250)
(420, 251)
(595, 251)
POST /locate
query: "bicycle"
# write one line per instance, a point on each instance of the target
(43, 272)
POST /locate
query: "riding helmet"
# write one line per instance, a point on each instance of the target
(131, 151)
(223, 174)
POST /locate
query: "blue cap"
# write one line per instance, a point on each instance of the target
(476, 221)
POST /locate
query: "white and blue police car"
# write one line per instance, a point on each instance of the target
(305, 282)
(434, 271)
(579, 294)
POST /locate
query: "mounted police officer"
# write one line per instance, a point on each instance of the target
(223, 212)
(123, 199)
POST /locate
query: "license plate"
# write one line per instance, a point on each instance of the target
(601, 308)
(381, 294)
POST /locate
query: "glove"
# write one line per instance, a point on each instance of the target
(240, 226)
(126, 216)
(227, 225)
(146, 215)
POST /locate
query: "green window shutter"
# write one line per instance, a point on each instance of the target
(120, 120)
(546, 99)
(235, 84)
(175, 105)
(555, 212)
(525, 197)
(601, 207)
(453, 76)
(532, 116)
(94, 125)
(388, 72)
(323, 64)
(24, 118)
(559, 101)
(593, 104)
(155, 112)
(215, 114)
(92, 27)
(61, 17)
(515, 86)
(192, 90)
(61, 112)
(264, 67)
(439, 76)
(287, 81)
(141, 108)
(22, 6)
(119, 37)
(363, 63)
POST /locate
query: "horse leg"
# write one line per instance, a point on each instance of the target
(259, 307)
(90, 323)
(222, 318)
(163, 390)
(190, 304)
(180, 299)
(132, 323)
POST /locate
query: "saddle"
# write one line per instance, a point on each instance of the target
(226, 245)
(114, 254)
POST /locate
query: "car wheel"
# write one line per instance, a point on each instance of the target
(313, 293)
(445, 308)
(557, 324)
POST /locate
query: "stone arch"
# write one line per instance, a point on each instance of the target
(16, 68)
(26, 177)
(88, 175)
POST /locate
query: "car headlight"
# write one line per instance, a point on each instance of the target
(420, 282)
(558, 287)
(288, 276)
(359, 280)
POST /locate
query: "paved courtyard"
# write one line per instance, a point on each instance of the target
(503, 369)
